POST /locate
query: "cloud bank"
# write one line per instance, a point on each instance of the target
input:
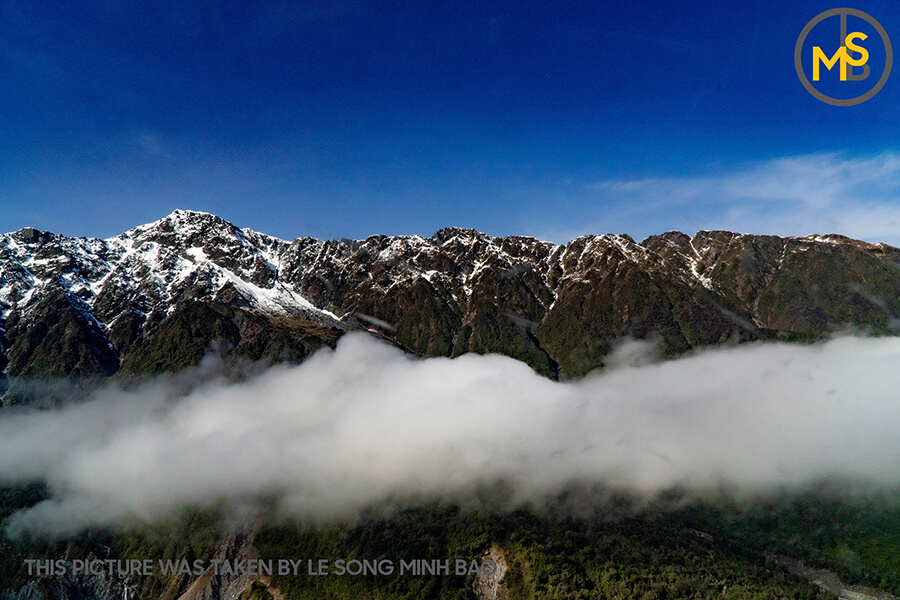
(353, 427)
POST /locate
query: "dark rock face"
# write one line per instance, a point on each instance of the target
(159, 296)
(59, 338)
(196, 328)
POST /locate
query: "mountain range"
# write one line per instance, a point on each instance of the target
(161, 296)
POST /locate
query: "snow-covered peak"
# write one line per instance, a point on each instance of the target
(184, 224)
(151, 268)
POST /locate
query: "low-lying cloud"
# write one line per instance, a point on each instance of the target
(352, 427)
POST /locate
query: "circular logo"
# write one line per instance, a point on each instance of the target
(843, 12)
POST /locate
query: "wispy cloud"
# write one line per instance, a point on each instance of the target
(149, 142)
(796, 195)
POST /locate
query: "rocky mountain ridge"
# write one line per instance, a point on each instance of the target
(159, 296)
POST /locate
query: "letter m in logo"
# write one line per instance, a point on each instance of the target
(842, 54)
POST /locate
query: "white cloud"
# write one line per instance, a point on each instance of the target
(799, 195)
(352, 427)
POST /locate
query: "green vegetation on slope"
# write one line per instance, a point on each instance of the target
(549, 556)
(653, 553)
(858, 539)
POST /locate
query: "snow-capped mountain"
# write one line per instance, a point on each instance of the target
(158, 296)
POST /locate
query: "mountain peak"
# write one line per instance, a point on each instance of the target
(186, 212)
(30, 235)
(184, 221)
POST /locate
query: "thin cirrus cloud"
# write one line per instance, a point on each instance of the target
(797, 195)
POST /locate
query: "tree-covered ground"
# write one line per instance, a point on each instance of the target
(700, 550)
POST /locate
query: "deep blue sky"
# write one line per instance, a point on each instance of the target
(349, 118)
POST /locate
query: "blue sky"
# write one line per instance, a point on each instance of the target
(335, 118)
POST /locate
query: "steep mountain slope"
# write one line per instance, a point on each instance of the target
(160, 296)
